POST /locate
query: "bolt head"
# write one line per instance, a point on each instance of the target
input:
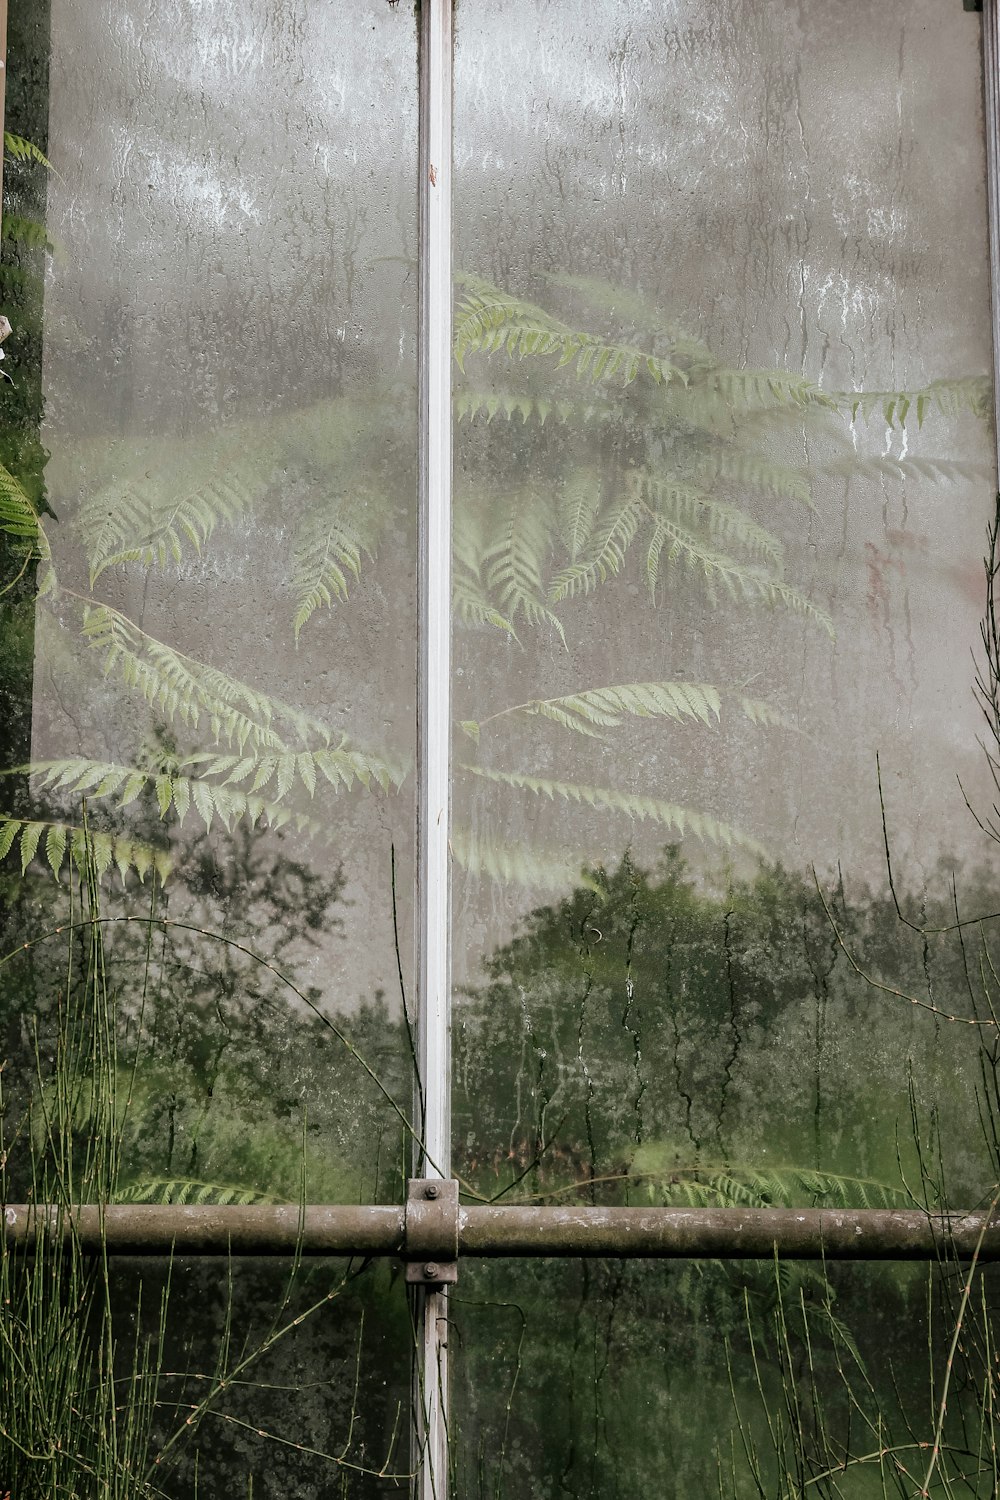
(431, 1271)
(431, 1190)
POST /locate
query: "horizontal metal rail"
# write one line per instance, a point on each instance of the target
(503, 1230)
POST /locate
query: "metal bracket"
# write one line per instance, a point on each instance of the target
(431, 1246)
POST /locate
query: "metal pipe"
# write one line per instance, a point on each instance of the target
(491, 1231)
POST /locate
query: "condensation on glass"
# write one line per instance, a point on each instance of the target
(229, 383)
(724, 470)
(219, 675)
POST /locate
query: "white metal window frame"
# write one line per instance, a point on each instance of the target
(496, 1231)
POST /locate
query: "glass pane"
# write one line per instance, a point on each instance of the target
(679, 1380)
(724, 473)
(208, 670)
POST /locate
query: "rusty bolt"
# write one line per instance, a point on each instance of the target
(431, 1190)
(431, 1271)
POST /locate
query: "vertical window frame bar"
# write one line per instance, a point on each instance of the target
(991, 124)
(432, 1156)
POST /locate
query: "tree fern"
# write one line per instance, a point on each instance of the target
(949, 397)
(528, 406)
(489, 855)
(601, 708)
(670, 815)
(689, 505)
(29, 232)
(19, 149)
(604, 556)
(173, 791)
(515, 560)
(187, 690)
(752, 585)
(756, 470)
(490, 321)
(748, 388)
(190, 1190)
(328, 553)
(176, 500)
(56, 843)
(20, 520)
(761, 1187)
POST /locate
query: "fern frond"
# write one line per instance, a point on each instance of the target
(514, 561)
(182, 1190)
(671, 815)
(22, 231)
(626, 305)
(606, 708)
(950, 398)
(176, 500)
(57, 842)
(578, 503)
(764, 714)
(935, 470)
(764, 388)
(490, 856)
(20, 149)
(528, 406)
(341, 766)
(328, 554)
(610, 539)
(173, 790)
(20, 520)
(750, 584)
(757, 471)
(706, 1186)
(470, 601)
(490, 321)
(689, 505)
(187, 690)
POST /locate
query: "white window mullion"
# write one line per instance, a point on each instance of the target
(991, 82)
(434, 705)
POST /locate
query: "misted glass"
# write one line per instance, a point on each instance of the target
(724, 473)
(208, 678)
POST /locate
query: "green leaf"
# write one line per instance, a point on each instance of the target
(606, 708)
(671, 815)
(20, 149)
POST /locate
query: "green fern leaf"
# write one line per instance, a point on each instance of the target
(679, 819)
(606, 708)
(23, 150)
(176, 500)
(104, 849)
(188, 1190)
(749, 584)
(490, 856)
(949, 397)
(29, 232)
(578, 504)
(19, 519)
(747, 388)
(758, 472)
(328, 554)
(515, 558)
(765, 714)
(612, 536)
(189, 691)
(491, 321)
(689, 506)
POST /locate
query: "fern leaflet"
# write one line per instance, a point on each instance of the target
(62, 841)
(680, 819)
